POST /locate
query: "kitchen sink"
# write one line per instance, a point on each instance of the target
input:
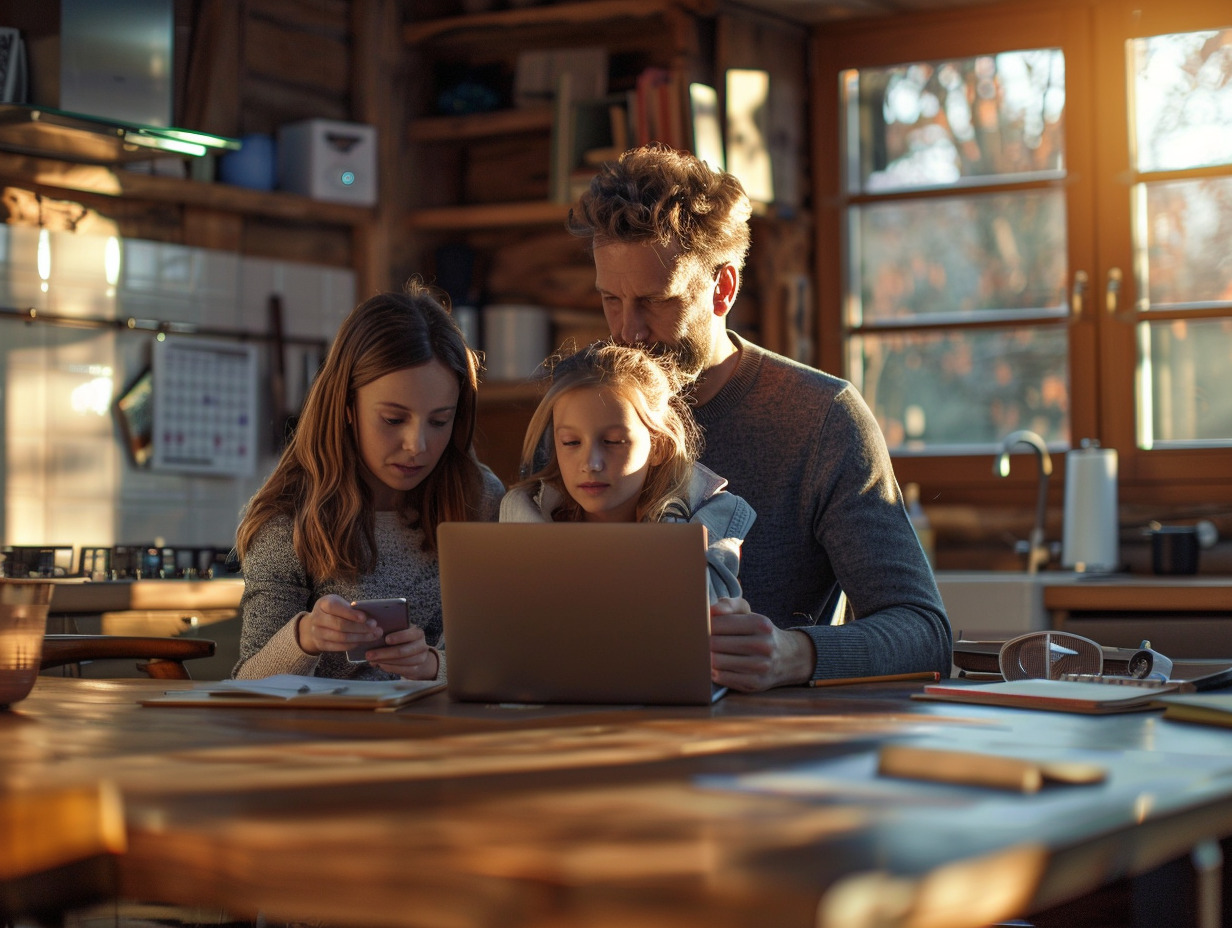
(996, 604)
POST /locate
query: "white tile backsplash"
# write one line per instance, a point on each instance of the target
(26, 523)
(67, 477)
(139, 266)
(79, 521)
(23, 287)
(258, 279)
(25, 472)
(338, 299)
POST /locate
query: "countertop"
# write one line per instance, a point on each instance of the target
(97, 596)
(1143, 593)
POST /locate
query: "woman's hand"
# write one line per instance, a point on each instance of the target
(334, 625)
(407, 654)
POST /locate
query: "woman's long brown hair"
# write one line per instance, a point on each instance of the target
(317, 481)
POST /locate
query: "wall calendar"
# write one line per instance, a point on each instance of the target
(205, 399)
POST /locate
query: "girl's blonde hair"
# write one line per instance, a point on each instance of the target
(317, 481)
(652, 386)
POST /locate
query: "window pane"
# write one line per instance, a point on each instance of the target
(1187, 232)
(1183, 100)
(958, 257)
(932, 123)
(1183, 393)
(967, 388)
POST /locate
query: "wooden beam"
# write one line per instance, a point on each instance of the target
(212, 97)
(209, 228)
(378, 99)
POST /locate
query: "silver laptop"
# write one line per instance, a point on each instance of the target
(576, 613)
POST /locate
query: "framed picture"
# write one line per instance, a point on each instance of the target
(134, 411)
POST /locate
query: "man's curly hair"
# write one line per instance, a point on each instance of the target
(655, 194)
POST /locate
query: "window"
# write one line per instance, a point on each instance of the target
(955, 301)
(1028, 230)
(1181, 199)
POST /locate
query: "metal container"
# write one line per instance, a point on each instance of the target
(23, 622)
(516, 339)
(116, 59)
(1174, 549)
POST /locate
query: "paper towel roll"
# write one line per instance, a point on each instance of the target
(1091, 531)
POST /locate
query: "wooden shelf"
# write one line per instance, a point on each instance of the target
(487, 216)
(481, 27)
(481, 125)
(518, 392)
(68, 177)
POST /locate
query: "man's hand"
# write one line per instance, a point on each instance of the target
(750, 653)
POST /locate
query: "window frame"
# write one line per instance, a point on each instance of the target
(1175, 475)
(1102, 348)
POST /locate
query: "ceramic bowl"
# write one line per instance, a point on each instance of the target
(23, 622)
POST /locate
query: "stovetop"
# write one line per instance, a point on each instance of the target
(120, 562)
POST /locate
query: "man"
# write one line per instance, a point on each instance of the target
(669, 238)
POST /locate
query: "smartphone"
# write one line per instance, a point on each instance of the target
(391, 615)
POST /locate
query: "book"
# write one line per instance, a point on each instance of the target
(652, 105)
(706, 132)
(294, 691)
(1206, 708)
(13, 72)
(1112, 694)
(585, 133)
(562, 165)
(748, 132)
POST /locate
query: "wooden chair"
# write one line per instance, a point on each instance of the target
(162, 658)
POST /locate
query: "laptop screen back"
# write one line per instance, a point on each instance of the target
(576, 612)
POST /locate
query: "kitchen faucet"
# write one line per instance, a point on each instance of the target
(1037, 551)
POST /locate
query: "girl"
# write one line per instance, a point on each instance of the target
(381, 456)
(621, 446)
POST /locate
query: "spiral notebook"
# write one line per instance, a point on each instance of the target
(576, 613)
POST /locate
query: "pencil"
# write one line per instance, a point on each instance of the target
(930, 675)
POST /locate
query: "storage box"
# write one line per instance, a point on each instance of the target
(328, 160)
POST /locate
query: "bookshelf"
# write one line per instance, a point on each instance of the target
(496, 152)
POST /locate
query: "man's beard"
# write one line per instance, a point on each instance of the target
(691, 353)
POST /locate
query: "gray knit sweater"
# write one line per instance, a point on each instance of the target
(277, 589)
(805, 451)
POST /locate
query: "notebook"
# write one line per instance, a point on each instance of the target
(1109, 694)
(576, 613)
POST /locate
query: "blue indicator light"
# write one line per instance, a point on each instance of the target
(348, 178)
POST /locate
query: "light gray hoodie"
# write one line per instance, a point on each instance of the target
(727, 518)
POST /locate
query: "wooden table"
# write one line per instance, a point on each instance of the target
(762, 810)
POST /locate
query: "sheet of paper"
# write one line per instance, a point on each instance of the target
(283, 685)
